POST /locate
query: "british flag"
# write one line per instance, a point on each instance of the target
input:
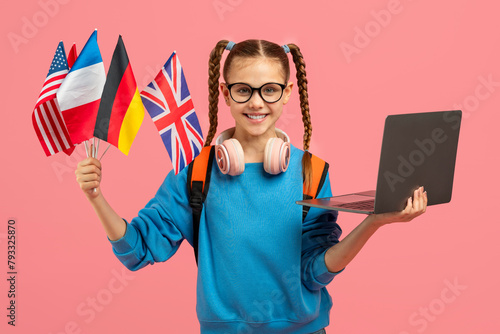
(168, 102)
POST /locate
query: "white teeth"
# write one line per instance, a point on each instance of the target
(256, 117)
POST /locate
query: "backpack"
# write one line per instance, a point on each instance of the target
(198, 182)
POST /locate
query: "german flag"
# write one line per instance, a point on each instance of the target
(121, 110)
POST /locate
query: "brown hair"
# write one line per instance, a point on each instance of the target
(254, 49)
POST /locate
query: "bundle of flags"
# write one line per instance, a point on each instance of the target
(79, 102)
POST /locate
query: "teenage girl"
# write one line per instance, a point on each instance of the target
(261, 267)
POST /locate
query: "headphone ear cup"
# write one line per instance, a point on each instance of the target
(276, 156)
(230, 157)
(222, 158)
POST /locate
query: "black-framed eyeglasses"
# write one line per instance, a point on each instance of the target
(269, 92)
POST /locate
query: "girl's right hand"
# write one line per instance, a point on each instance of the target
(88, 176)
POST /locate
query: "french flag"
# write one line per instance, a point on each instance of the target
(80, 92)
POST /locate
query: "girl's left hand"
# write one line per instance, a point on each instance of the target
(414, 208)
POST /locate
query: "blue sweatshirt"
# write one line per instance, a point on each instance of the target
(260, 268)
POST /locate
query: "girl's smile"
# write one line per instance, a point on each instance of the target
(256, 118)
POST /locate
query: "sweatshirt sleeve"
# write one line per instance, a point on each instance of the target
(320, 231)
(159, 228)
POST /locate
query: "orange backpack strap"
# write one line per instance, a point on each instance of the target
(319, 171)
(198, 179)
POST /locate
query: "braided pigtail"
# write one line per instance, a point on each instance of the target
(213, 88)
(300, 66)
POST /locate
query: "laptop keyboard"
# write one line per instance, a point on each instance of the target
(361, 205)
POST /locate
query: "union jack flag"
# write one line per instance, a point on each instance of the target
(168, 102)
(47, 119)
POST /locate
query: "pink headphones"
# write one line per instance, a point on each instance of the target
(231, 160)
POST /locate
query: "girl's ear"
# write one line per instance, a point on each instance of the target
(225, 92)
(287, 92)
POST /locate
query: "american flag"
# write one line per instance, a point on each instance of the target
(168, 102)
(47, 119)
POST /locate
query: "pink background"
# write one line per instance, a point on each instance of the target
(425, 56)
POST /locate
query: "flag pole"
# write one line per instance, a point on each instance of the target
(86, 148)
(105, 152)
(87, 152)
(97, 148)
(94, 154)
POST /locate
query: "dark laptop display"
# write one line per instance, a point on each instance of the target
(417, 150)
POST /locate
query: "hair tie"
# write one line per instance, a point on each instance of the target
(286, 48)
(230, 45)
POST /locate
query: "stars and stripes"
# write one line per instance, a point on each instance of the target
(47, 120)
(168, 102)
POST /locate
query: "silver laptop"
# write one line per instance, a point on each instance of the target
(417, 150)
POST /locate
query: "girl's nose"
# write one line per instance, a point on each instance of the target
(256, 101)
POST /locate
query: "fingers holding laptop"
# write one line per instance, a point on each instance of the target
(420, 200)
(414, 207)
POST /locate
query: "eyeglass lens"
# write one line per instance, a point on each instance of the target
(269, 92)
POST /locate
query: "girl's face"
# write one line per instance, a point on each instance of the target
(256, 72)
